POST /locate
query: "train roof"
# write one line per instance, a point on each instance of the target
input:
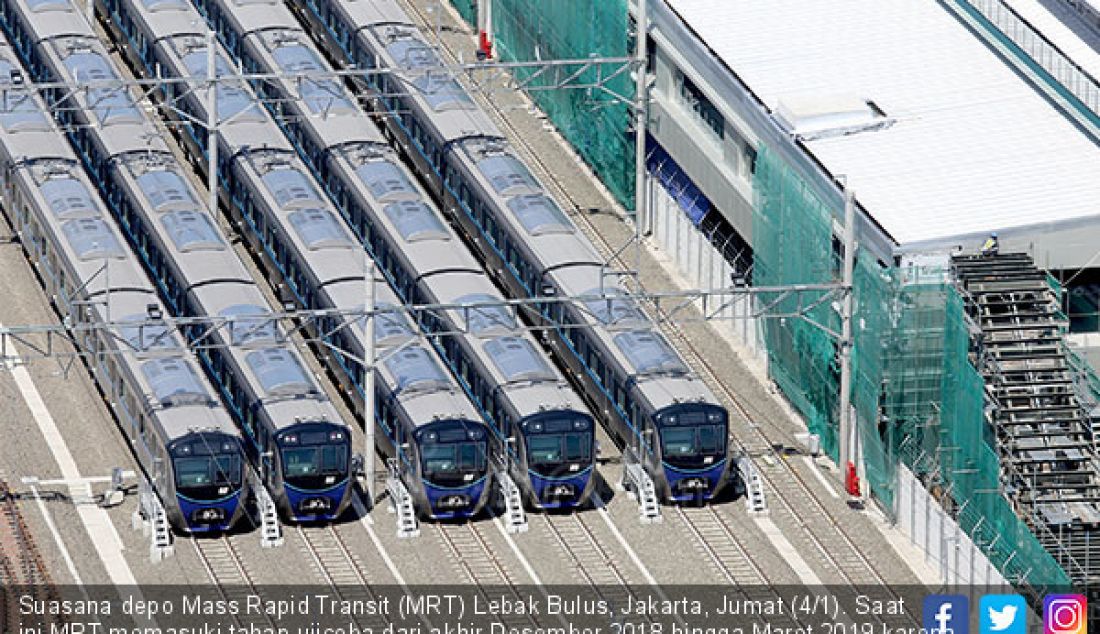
(292, 54)
(549, 232)
(367, 14)
(167, 16)
(326, 106)
(256, 15)
(318, 232)
(628, 332)
(419, 72)
(422, 235)
(235, 100)
(51, 18)
(177, 395)
(426, 391)
(198, 247)
(511, 354)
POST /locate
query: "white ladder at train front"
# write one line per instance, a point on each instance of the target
(271, 533)
(515, 518)
(755, 501)
(152, 518)
(402, 504)
(637, 481)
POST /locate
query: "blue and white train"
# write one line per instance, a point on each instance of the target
(296, 438)
(511, 379)
(671, 417)
(182, 437)
(434, 435)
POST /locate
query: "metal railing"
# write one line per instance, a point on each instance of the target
(1049, 57)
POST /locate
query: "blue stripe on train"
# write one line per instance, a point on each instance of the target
(713, 476)
(578, 481)
(437, 493)
(228, 506)
(335, 495)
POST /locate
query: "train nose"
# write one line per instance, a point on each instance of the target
(210, 515)
(315, 506)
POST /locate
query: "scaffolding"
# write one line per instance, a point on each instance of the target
(917, 394)
(1037, 424)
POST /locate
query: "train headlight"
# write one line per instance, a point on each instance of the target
(208, 515)
(314, 505)
(561, 491)
(453, 501)
(688, 484)
(708, 459)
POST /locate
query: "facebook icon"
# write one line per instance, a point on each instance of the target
(946, 614)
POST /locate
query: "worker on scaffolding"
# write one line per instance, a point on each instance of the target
(992, 245)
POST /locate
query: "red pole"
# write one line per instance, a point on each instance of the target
(851, 480)
(484, 46)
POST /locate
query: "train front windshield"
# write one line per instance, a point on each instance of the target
(559, 446)
(208, 466)
(453, 453)
(315, 456)
(693, 437)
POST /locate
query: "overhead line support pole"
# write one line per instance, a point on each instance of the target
(641, 81)
(847, 424)
(368, 376)
(212, 128)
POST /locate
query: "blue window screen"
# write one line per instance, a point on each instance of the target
(675, 181)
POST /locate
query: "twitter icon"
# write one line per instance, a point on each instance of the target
(1003, 614)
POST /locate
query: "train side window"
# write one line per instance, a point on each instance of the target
(490, 229)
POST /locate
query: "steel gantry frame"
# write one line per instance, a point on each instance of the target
(22, 344)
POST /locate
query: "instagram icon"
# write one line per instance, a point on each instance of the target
(1065, 614)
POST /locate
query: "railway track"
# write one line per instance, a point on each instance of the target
(469, 548)
(592, 562)
(21, 563)
(474, 557)
(597, 565)
(335, 562)
(229, 577)
(224, 566)
(721, 545)
(341, 570)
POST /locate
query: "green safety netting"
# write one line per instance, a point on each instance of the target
(595, 122)
(918, 398)
(802, 360)
(467, 9)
